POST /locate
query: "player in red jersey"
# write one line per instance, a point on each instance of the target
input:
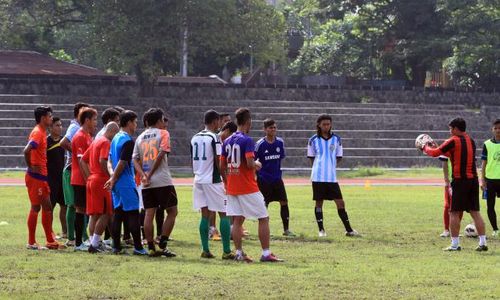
(94, 166)
(80, 143)
(35, 155)
(461, 149)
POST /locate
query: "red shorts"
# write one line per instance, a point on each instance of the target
(38, 190)
(98, 199)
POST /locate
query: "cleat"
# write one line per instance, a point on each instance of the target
(70, 243)
(120, 251)
(270, 258)
(451, 248)
(108, 242)
(352, 233)
(87, 243)
(322, 233)
(55, 246)
(140, 252)
(35, 246)
(82, 247)
(494, 233)
(481, 248)
(216, 236)
(243, 258)
(229, 256)
(445, 234)
(167, 253)
(289, 233)
(207, 255)
(97, 249)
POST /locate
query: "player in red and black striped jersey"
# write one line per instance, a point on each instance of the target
(461, 150)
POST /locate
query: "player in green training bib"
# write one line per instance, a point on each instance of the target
(490, 173)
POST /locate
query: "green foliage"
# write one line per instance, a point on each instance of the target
(398, 257)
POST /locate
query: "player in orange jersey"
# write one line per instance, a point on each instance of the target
(35, 155)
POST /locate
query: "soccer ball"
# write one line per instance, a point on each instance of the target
(470, 231)
(422, 140)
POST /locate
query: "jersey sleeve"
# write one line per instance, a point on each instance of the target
(249, 148)
(442, 158)
(339, 152)
(103, 153)
(127, 150)
(257, 150)
(484, 154)
(136, 154)
(165, 141)
(310, 149)
(36, 139)
(445, 147)
(218, 146)
(283, 151)
(70, 132)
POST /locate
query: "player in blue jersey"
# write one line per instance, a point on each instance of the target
(122, 183)
(324, 149)
(270, 150)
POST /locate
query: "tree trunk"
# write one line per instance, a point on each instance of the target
(184, 51)
(145, 81)
(417, 75)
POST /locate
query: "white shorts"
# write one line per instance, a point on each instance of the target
(209, 195)
(250, 206)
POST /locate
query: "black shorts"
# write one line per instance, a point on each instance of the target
(273, 191)
(56, 193)
(326, 191)
(492, 188)
(465, 195)
(163, 197)
(80, 195)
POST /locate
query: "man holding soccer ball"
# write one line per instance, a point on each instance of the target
(461, 150)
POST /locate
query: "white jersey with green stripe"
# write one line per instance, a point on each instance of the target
(205, 147)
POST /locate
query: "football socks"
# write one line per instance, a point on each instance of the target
(47, 225)
(32, 220)
(225, 231)
(318, 211)
(70, 221)
(285, 215)
(345, 219)
(204, 225)
(79, 222)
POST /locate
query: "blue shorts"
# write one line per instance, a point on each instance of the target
(126, 198)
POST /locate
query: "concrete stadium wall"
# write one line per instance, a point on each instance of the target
(113, 86)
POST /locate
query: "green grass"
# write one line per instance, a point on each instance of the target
(399, 256)
(360, 172)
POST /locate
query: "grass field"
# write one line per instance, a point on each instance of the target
(399, 256)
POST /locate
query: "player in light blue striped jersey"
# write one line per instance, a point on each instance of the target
(324, 149)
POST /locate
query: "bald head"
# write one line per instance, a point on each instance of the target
(112, 128)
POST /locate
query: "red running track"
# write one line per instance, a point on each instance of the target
(301, 181)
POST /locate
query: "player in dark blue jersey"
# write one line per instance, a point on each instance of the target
(270, 150)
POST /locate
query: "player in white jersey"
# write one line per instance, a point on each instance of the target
(324, 149)
(208, 190)
(151, 162)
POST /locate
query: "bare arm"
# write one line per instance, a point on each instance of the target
(103, 163)
(446, 173)
(311, 159)
(65, 144)
(156, 164)
(110, 168)
(483, 174)
(138, 168)
(116, 174)
(84, 169)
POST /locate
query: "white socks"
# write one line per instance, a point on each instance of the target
(266, 252)
(482, 240)
(95, 240)
(455, 241)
